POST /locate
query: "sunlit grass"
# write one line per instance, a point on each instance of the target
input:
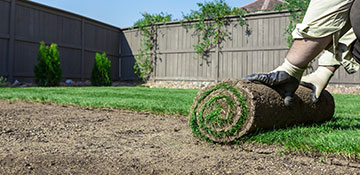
(168, 101)
(341, 135)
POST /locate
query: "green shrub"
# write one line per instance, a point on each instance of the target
(48, 71)
(3, 81)
(101, 72)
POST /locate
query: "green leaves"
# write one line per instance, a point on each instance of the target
(297, 9)
(209, 25)
(3, 81)
(101, 72)
(48, 71)
(148, 26)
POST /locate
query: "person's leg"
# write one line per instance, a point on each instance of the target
(305, 50)
(355, 18)
(321, 24)
(355, 22)
(330, 62)
(324, 22)
(318, 80)
(356, 50)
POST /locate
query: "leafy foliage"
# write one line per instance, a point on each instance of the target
(101, 72)
(146, 57)
(209, 24)
(48, 71)
(297, 9)
(3, 81)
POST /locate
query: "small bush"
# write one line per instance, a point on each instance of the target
(3, 81)
(101, 72)
(48, 71)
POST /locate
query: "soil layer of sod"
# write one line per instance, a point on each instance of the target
(46, 138)
(226, 111)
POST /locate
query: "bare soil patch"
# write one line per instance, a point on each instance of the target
(41, 138)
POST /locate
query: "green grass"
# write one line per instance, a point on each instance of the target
(338, 136)
(168, 101)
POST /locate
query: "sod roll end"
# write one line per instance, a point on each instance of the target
(231, 109)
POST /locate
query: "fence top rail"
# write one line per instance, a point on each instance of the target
(66, 12)
(231, 17)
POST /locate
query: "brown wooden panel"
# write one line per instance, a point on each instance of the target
(160, 66)
(4, 17)
(70, 62)
(127, 71)
(26, 22)
(25, 58)
(126, 48)
(101, 39)
(114, 67)
(3, 56)
(36, 25)
(161, 38)
(36, 22)
(171, 65)
(89, 58)
(71, 31)
(112, 41)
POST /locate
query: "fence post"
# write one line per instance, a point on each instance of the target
(120, 53)
(82, 49)
(155, 54)
(11, 41)
(217, 67)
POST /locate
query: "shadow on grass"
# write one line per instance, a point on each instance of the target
(334, 123)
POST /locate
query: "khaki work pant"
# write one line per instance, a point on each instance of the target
(330, 17)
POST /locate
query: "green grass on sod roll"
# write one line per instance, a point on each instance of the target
(206, 122)
(340, 136)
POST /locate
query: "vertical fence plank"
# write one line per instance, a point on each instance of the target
(11, 41)
(82, 49)
(216, 68)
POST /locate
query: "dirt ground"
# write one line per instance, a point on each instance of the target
(38, 138)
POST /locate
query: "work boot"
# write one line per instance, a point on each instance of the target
(317, 81)
(284, 79)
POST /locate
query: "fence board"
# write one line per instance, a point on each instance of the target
(25, 53)
(78, 39)
(127, 71)
(4, 13)
(70, 62)
(71, 31)
(3, 55)
(114, 66)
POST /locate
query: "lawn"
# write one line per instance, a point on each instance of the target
(340, 135)
(167, 101)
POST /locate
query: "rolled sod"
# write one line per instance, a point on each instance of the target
(233, 108)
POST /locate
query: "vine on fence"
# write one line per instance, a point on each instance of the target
(297, 9)
(146, 57)
(209, 24)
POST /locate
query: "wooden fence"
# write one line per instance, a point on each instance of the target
(258, 47)
(23, 24)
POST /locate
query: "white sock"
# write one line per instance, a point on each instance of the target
(290, 69)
